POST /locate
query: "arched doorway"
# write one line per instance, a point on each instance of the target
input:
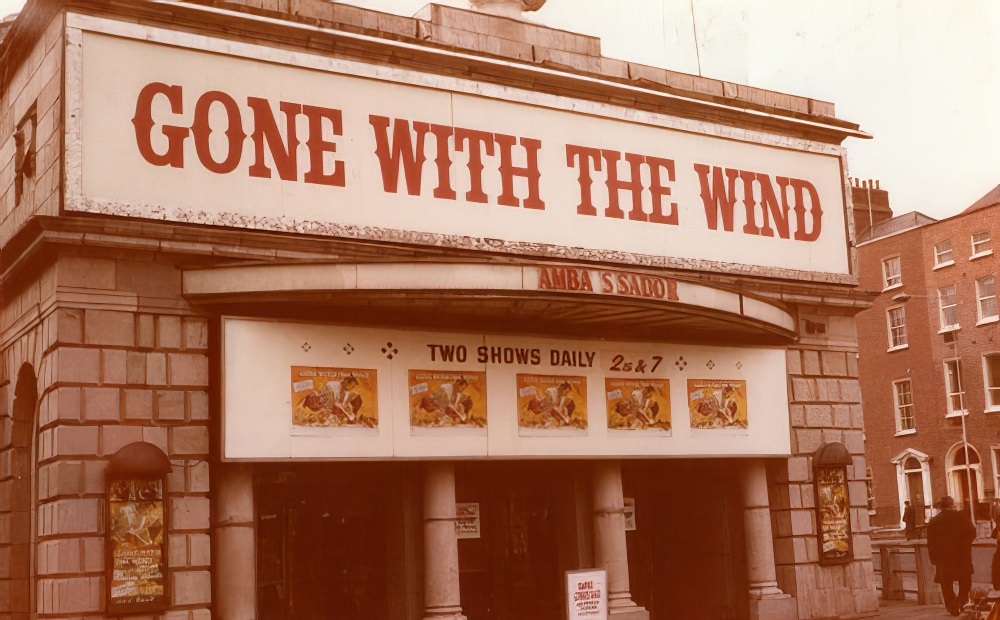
(913, 478)
(964, 476)
(21, 582)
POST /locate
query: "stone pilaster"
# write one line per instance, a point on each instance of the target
(236, 583)
(442, 597)
(767, 601)
(610, 552)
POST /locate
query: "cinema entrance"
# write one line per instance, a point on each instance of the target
(511, 565)
(687, 549)
(327, 535)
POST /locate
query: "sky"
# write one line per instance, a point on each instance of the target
(921, 76)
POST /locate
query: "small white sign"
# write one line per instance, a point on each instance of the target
(587, 594)
(467, 519)
(629, 514)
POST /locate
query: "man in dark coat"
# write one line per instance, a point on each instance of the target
(909, 522)
(949, 543)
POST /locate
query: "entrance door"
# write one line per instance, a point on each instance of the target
(915, 486)
(512, 570)
(687, 552)
(322, 543)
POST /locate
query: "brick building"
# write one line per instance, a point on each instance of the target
(314, 311)
(930, 356)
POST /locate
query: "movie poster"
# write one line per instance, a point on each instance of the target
(834, 514)
(334, 397)
(718, 404)
(443, 400)
(548, 404)
(136, 539)
(638, 404)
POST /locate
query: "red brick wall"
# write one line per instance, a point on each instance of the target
(922, 361)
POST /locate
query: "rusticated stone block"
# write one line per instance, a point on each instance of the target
(189, 513)
(192, 587)
(188, 369)
(188, 440)
(109, 327)
(168, 332)
(78, 365)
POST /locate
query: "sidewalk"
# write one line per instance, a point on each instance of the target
(908, 610)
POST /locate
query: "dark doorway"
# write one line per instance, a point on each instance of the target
(322, 541)
(915, 486)
(512, 571)
(687, 553)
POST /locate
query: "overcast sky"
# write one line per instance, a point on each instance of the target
(922, 76)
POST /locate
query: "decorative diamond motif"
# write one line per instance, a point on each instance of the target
(306, 346)
(710, 364)
(389, 351)
(739, 365)
(348, 348)
(681, 363)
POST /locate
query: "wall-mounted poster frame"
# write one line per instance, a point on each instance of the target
(137, 518)
(833, 503)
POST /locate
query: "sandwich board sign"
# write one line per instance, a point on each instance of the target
(587, 594)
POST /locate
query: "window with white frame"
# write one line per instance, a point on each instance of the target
(903, 397)
(948, 305)
(943, 254)
(896, 322)
(995, 454)
(981, 243)
(891, 275)
(991, 379)
(986, 298)
(953, 387)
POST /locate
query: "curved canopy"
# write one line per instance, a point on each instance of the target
(571, 300)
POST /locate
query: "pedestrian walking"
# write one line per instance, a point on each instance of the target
(949, 543)
(909, 523)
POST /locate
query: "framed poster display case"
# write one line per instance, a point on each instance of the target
(136, 543)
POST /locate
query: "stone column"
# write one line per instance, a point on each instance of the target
(236, 567)
(610, 552)
(767, 601)
(442, 597)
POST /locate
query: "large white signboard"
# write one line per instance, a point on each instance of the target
(197, 131)
(298, 390)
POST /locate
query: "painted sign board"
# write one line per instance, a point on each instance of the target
(587, 594)
(336, 392)
(204, 131)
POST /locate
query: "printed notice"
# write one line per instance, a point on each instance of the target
(467, 519)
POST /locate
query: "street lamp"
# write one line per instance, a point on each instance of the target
(965, 444)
